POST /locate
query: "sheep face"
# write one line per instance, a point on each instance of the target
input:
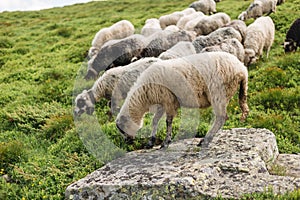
(249, 57)
(243, 16)
(127, 127)
(290, 46)
(84, 103)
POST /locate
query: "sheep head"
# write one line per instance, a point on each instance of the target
(127, 126)
(84, 102)
(250, 57)
(290, 46)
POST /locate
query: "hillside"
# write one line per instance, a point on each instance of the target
(41, 56)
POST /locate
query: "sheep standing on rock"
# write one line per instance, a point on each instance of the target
(205, 6)
(259, 36)
(232, 46)
(173, 18)
(181, 49)
(151, 26)
(119, 53)
(292, 39)
(119, 30)
(195, 81)
(112, 85)
(164, 40)
(258, 8)
(211, 23)
(215, 38)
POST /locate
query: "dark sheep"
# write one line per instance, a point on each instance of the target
(118, 54)
(292, 39)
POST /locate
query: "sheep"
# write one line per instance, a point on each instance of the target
(195, 81)
(120, 53)
(211, 23)
(185, 19)
(172, 19)
(205, 6)
(164, 40)
(292, 39)
(259, 36)
(258, 8)
(119, 30)
(112, 85)
(232, 46)
(181, 49)
(172, 28)
(216, 37)
(238, 25)
(151, 26)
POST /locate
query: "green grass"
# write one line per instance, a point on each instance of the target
(41, 52)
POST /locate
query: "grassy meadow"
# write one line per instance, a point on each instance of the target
(41, 56)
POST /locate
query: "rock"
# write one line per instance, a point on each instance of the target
(235, 163)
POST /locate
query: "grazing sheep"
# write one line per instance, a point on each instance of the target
(232, 46)
(112, 85)
(216, 37)
(195, 81)
(238, 25)
(258, 8)
(181, 49)
(185, 19)
(120, 53)
(259, 36)
(119, 30)
(164, 40)
(172, 19)
(205, 6)
(292, 39)
(211, 23)
(151, 26)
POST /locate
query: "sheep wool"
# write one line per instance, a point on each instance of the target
(151, 26)
(205, 6)
(232, 46)
(215, 38)
(195, 81)
(181, 49)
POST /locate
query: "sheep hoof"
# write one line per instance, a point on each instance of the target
(165, 144)
(151, 143)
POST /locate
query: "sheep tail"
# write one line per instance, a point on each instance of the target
(243, 99)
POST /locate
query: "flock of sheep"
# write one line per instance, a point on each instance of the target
(192, 58)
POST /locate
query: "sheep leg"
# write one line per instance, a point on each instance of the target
(221, 117)
(168, 139)
(159, 113)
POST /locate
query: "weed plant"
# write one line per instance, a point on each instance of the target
(42, 54)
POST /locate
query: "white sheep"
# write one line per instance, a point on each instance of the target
(181, 49)
(185, 19)
(119, 30)
(211, 23)
(151, 26)
(215, 38)
(232, 46)
(205, 6)
(119, 53)
(172, 28)
(195, 81)
(238, 25)
(164, 40)
(258, 8)
(172, 19)
(259, 36)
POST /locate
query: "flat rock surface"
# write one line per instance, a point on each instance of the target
(235, 163)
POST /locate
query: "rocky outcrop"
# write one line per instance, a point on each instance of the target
(235, 163)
